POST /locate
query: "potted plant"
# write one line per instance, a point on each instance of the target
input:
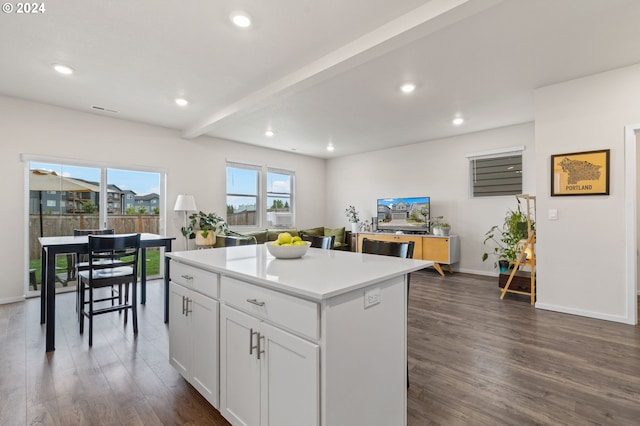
(354, 217)
(441, 229)
(506, 239)
(204, 227)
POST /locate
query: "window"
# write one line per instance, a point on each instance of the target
(496, 173)
(251, 203)
(243, 183)
(279, 202)
(76, 194)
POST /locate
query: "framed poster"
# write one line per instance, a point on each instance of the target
(580, 173)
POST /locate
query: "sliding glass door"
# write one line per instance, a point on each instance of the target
(65, 197)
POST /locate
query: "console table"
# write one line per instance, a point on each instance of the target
(439, 250)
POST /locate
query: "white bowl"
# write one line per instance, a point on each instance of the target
(287, 252)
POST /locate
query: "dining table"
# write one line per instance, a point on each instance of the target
(52, 246)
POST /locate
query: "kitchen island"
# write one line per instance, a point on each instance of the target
(319, 340)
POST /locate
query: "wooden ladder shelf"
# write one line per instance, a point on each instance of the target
(526, 256)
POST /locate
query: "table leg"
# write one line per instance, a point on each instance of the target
(51, 302)
(167, 249)
(43, 284)
(143, 277)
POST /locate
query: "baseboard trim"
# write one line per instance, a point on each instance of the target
(12, 300)
(478, 272)
(582, 313)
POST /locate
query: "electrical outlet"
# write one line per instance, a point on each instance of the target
(371, 297)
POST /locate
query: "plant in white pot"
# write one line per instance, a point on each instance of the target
(354, 217)
(441, 229)
(204, 227)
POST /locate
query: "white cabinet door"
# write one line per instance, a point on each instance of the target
(289, 379)
(203, 317)
(180, 333)
(239, 368)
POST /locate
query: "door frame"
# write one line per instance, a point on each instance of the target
(630, 201)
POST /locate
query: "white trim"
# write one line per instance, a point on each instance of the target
(630, 210)
(85, 163)
(243, 164)
(499, 152)
(582, 313)
(12, 300)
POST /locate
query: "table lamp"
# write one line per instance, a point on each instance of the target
(185, 203)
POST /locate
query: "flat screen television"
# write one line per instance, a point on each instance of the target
(407, 214)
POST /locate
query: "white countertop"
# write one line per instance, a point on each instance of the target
(318, 275)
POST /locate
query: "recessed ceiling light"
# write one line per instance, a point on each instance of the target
(241, 19)
(408, 88)
(63, 69)
(330, 147)
(182, 102)
(458, 121)
(269, 133)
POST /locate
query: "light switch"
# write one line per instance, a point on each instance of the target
(553, 214)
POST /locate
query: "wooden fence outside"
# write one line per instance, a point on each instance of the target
(56, 225)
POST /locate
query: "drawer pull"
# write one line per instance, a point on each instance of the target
(255, 302)
(187, 277)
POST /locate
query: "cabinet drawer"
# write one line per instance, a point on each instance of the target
(204, 282)
(296, 314)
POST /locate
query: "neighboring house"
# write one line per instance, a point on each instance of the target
(150, 202)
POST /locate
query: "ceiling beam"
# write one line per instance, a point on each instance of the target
(420, 22)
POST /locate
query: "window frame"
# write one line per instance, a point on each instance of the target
(517, 151)
(258, 170)
(291, 195)
(263, 193)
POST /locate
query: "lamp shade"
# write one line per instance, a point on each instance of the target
(185, 203)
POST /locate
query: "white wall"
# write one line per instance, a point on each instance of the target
(193, 166)
(581, 255)
(438, 169)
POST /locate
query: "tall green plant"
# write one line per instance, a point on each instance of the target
(506, 239)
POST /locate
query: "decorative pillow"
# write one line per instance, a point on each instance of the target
(261, 236)
(316, 232)
(338, 232)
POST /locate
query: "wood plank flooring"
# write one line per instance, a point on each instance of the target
(473, 359)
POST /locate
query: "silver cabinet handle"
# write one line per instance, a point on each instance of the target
(187, 277)
(255, 302)
(188, 309)
(184, 305)
(260, 351)
(251, 347)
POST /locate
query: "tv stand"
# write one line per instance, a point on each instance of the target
(440, 250)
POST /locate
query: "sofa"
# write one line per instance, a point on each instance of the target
(342, 242)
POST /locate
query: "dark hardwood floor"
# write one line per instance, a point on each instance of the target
(473, 359)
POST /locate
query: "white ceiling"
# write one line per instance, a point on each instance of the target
(314, 71)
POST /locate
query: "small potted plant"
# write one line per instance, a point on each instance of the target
(204, 227)
(354, 218)
(441, 229)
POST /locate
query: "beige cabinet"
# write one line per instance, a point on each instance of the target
(439, 250)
